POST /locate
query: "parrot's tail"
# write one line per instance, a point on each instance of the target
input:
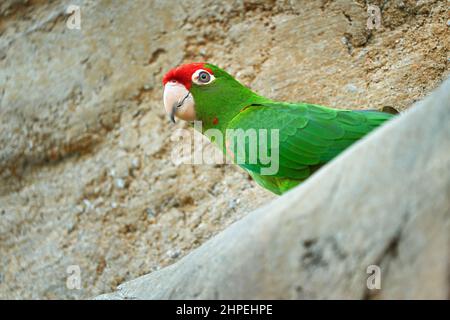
(389, 109)
(385, 109)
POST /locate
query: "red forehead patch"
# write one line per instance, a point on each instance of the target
(183, 73)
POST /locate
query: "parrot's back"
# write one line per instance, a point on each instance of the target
(309, 136)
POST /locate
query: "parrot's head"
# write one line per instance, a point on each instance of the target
(204, 92)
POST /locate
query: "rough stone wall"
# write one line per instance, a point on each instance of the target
(85, 145)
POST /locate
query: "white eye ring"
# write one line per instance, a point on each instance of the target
(202, 77)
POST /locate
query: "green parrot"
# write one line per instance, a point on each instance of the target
(296, 140)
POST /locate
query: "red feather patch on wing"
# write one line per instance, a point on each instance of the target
(183, 73)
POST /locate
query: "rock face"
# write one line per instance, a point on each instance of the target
(85, 145)
(385, 203)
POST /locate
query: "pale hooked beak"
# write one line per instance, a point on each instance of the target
(178, 102)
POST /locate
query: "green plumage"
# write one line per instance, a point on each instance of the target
(309, 135)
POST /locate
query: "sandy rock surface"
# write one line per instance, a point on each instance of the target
(85, 149)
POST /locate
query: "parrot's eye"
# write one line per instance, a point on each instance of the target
(202, 77)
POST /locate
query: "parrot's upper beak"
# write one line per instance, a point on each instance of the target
(178, 102)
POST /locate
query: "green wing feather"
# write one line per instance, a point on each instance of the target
(309, 136)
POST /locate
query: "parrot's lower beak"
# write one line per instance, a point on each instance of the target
(178, 102)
